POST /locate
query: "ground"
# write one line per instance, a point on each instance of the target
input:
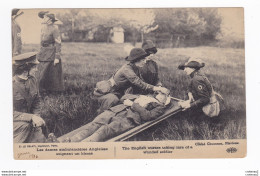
(86, 63)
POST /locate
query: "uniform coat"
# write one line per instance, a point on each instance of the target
(25, 99)
(117, 120)
(200, 88)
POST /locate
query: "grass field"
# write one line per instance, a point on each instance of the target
(86, 63)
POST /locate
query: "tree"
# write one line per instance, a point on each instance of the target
(193, 24)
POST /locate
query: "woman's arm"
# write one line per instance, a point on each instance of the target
(135, 80)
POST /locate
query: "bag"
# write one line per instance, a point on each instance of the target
(104, 87)
(212, 109)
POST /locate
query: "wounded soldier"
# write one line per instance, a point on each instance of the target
(135, 110)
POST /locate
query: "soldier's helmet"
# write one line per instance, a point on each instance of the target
(42, 13)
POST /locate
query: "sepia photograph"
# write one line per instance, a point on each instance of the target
(124, 81)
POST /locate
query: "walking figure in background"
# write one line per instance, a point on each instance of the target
(109, 92)
(16, 33)
(50, 66)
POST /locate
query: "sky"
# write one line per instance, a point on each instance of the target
(232, 21)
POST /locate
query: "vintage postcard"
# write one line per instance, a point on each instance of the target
(128, 83)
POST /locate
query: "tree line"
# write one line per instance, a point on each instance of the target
(167, 27)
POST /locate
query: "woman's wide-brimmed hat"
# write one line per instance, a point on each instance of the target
(15, 11)
(136, 54)
(149, 47)
(52, 17)
(192, 63)
(42, 13)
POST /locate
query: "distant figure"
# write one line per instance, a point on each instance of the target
(149, 71)
(16, 33)
(135, 110)
(50, 67)
(127, 76)
(26, 121)
(202, 97)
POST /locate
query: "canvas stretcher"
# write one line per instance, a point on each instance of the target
(170, 112)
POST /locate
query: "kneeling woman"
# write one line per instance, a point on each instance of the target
(200, 89)
(128, 75)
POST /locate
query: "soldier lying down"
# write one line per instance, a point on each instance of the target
(135, 110)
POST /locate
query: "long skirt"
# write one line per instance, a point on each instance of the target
(50, 76)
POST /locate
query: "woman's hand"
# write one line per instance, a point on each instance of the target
(191, 99)
(161, 89)
(184, 104)
(37, 121)
(56, 61)
(128, 102)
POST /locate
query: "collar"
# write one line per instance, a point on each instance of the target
(194, 73)
(19, 79)
(48, 23)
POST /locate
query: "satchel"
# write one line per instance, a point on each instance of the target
(212, 109)
(104, 87)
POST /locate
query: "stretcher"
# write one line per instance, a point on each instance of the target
(170, 112)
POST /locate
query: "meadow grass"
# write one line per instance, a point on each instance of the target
(84, 64)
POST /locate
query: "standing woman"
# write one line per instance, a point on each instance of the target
(50, 67)
(202, 97)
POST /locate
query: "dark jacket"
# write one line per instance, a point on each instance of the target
(25, 94)
(149, 74)
(139, 114)
(50, 46)
(127, 76)
(26, 101)
(201, 89)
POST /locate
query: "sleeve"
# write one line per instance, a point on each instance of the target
(135, 80)
(20, 116)
(35, 108)
(16, 40)
(159, 83)
(57, 38)
(147, 115)
(202, 90)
